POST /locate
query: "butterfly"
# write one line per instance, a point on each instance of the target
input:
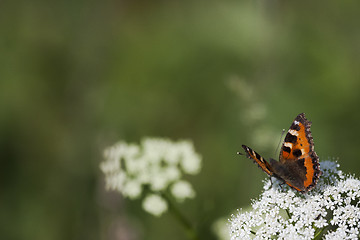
(298, 164)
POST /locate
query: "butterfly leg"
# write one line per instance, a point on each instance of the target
(281, 186)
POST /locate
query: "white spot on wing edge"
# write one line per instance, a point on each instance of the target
(296, 122)
(293, 132)
(287, 144)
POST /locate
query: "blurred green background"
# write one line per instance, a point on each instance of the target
(77, 76)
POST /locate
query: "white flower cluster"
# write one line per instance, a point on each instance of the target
(157, 165)
(331, 211)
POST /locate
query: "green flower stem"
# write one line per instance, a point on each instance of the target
(317, 235)
(192, 234)
(288, 213)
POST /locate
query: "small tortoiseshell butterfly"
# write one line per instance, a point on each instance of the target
(299, 165)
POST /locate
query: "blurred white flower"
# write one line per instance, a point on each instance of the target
(132, 189)
(220, 229)
(182, 190)
(159, 182)
(191, 161)
(156, 164)
(241, 87)
(332, 207)
(264, 136)
(257, 112)
(155, 205)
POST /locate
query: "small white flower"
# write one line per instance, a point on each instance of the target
(158, 182)
(132, 189)
(155, 205)
(287, 214)
(182, 190)
(190, 161)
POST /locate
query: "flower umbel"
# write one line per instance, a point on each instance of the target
(151, 168)
(331, 210)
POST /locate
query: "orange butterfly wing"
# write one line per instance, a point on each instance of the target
(299, 146)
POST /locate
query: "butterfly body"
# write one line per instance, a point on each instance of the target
(298, 164)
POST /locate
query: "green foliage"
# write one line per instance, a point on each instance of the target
(78, 76)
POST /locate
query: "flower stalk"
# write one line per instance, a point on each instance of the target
(190, 230)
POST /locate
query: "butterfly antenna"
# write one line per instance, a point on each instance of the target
(282, 134)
